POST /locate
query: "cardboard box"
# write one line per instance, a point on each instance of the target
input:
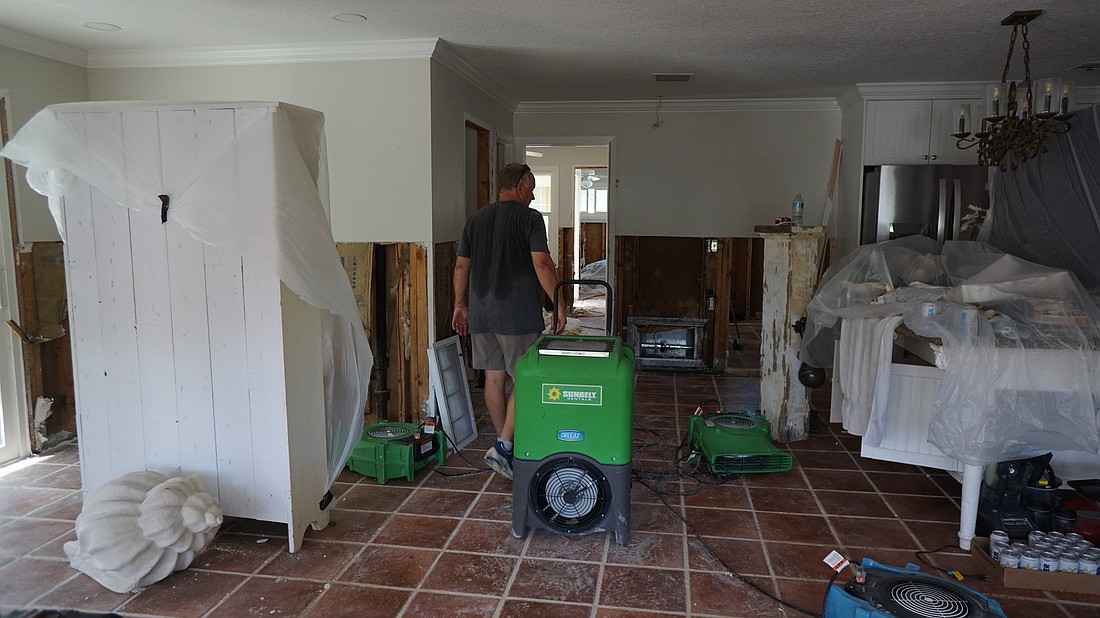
(1036, 580)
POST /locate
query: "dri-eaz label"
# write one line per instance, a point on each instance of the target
(572, 394)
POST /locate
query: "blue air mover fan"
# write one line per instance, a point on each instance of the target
(890, 592)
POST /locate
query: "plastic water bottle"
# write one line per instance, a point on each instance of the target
(796, 210)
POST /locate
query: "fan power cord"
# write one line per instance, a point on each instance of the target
(955, 574)
(455, 449)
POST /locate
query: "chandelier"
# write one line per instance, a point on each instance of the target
(1014, 131)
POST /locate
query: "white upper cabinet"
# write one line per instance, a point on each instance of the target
(916, 132)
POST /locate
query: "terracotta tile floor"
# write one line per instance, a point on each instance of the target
(441, 545)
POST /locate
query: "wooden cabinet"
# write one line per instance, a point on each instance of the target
(189, 357)
(916, 132)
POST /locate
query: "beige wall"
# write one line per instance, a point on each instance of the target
(454, 101)
(705, 173)
(33, 82)
(377, 125)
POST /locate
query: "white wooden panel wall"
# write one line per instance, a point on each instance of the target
(913, 391)
(89, 387)
(263, 333)
(152, 308)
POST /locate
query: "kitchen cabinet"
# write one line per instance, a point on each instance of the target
(916, 132)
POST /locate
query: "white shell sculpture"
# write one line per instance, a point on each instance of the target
(141, 527)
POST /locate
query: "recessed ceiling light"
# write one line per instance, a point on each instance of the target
(350, 18)
(101, 26)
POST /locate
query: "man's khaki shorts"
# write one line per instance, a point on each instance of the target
(494, 352)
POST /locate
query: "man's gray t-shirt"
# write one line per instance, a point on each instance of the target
(505, 296)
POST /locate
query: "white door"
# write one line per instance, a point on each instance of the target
(14, 439)
(546, 202)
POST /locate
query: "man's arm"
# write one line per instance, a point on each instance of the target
(460, 321)
(548, 278)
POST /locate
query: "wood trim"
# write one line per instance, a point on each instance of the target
(484, 165)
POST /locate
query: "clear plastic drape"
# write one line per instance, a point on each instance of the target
(207, 187)
(1019, 344)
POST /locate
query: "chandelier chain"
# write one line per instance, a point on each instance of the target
(1008, 58)
(1027, 68)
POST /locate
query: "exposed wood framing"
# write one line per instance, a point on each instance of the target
(716, 282)
(408, 331)
(443, 281)
(746, 276)
(593, 242)
(358, 261)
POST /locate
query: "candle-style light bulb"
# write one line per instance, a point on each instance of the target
(962, 119)
(996, 100)
(1065, 98)
(1047, 91)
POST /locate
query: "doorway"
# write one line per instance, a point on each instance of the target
(575, 176)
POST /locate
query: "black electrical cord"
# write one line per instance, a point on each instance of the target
(921, 554)
(701, 470)
(729, 569)
(454, 448)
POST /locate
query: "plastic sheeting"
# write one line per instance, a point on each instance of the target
(1048, 210)
(1019, 341)
(65, 142)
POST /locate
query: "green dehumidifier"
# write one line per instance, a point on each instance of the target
(574, 415)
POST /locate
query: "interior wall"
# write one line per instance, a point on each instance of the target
(454, 100)
(377, 126)
(706, 173)
(33, 82)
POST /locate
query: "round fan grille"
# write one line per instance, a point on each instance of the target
(733, 422)
(570, 495)
(925, 599)
(388, 432)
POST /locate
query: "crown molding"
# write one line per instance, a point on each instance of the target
(448, 57)
(21, 41)
(921, 90)
(261, 54)
(673, 105)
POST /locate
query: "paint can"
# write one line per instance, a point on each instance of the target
(1029, 560)
(1049, 561)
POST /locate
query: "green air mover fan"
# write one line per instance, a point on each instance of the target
(392, 450)
(736, 444)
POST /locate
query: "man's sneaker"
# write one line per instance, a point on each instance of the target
(499, 460)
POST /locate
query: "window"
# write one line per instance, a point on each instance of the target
(591, 193)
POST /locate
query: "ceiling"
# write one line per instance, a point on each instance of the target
(585, 50)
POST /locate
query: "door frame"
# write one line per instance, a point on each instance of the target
(609, 141)
(13, 391)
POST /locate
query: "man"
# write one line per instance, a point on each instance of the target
(502, 269)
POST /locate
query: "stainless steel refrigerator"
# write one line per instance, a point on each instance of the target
(902, 200)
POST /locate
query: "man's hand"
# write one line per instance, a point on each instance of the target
(460, 321)
(561, 321)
